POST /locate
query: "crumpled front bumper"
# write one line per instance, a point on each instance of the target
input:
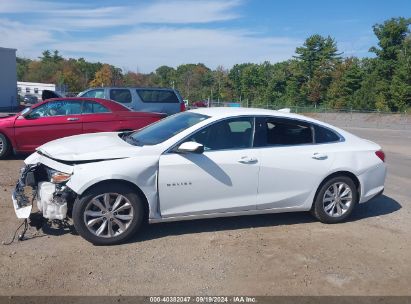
(51, 198)
(22, 211)
(21, 203)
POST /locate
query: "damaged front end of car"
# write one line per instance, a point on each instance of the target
(48, 189)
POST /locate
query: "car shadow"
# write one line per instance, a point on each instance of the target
(379, 206)
(16, 157)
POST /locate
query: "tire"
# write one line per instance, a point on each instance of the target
(125, 218)
(344, 202)
(4, 146)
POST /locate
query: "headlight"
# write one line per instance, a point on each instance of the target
(59, 177)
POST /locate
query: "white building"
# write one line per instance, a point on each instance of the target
(8, 79)
(34, 88)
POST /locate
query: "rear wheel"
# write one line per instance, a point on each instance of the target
(4, 146)
(335, 200)
(108, 214)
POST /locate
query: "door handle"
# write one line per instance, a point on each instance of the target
(319, 156)
(247, 160)
(72, 119)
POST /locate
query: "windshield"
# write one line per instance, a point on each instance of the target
(165, 129)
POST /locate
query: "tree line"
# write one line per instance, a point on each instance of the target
(318, 75)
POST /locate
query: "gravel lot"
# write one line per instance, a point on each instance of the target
(279, 254)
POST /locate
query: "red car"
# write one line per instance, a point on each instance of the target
(61, 117)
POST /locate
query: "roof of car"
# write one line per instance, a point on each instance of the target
(228, 111)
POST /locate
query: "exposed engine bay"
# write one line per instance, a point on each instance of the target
(54, 199)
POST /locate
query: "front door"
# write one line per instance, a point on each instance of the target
(49, 121)
(222, 179)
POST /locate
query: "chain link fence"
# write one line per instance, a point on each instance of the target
(345, 117)
(298, 109)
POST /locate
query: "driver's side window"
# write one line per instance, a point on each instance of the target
(234, 133)
(56, 108)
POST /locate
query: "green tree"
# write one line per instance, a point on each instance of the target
(401, 82)
(165, 76)
(317, 57)
(22, 65)
(391, 45)
(347, 79)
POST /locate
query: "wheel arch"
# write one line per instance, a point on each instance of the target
(137, 189)
(349, 174)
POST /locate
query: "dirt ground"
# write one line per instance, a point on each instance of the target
(279, 254)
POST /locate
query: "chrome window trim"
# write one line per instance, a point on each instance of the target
(254, 117)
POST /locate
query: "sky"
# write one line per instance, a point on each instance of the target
(142, 35)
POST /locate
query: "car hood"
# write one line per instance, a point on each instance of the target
(89, 147)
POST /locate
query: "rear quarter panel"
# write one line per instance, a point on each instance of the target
(358, 157)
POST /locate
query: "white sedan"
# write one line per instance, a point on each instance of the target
(211, 162)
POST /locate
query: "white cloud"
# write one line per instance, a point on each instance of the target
(78, 16)
(149, 48)
(30, 6)
(146, 35)
(26, 40)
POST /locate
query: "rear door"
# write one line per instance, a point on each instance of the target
(158, 100)
(98, 118)
(291, 164)
(52, 120)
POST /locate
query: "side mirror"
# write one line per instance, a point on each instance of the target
(190, 147)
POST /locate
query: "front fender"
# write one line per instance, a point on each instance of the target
(141, 172)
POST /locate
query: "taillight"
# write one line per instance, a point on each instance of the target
(380, 154)
(182, 107)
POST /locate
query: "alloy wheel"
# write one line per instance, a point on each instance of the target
(337, 199)
(108, 215)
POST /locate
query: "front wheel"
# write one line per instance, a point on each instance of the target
(108, 214)
(335, 200)
(4, 146)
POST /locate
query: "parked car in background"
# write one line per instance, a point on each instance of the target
(209, 162)
(30, 99)
(200, 104)
(61, 117)
(160, 100)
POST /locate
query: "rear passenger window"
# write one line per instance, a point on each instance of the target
(120, 95)
(157, 96)
(91, 107)
(324, 135)
(282, 132)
